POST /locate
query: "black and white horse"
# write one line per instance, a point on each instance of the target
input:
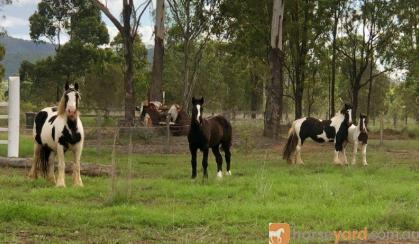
(211, 132)
(334, 130)
(56, 130)
(358, 134)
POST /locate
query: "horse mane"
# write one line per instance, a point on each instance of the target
(61, 106)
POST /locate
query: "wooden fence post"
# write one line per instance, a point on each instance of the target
(98, 131)
(168, 134)
(381, 129)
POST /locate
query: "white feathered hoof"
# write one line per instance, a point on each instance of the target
(220, 174)
(228, 173)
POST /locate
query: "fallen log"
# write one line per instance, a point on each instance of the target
(85, 168)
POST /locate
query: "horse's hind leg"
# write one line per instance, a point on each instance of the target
(227, 152)
(51, 168)
(33, 173)
(298, 153)
(219, 160)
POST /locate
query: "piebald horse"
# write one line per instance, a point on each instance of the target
(179, 120)
(211, 132)
(358, 134)
(334, 130)
(55, 131)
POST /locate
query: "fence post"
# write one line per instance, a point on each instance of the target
(381, 129)
(168, 134)
(98, 131)
(14, 104)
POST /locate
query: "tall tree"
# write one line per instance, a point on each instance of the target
(370, 18)
(2, 32)
(192, 21)
(131, 17)
(157, 69)
(273, 109)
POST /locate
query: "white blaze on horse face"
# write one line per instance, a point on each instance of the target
(350, 115)
(71, 103)
(198, 107)
(363, 125)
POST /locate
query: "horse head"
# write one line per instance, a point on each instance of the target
(69, 103)
(363, 121)
(174, 112)
(347, 112)
(197, 109)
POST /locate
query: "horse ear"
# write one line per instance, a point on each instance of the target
(76, 86)
(202, 100)
(67, 86)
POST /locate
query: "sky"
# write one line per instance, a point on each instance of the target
(17, 15)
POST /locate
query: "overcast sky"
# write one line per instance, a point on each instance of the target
(17, 19)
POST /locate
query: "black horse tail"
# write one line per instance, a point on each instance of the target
(291, 144)
(43, 162)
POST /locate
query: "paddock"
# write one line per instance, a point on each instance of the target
(152, 198)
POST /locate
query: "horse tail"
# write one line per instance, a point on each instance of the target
(291, 143)
(43, 162)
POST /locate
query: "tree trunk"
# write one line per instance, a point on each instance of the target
(273, 109)
(254, 79)
(299, 89)
(370, 89)
(157, 70)
(129, 65)
(186, 78)
(332, 85)
(355, 94)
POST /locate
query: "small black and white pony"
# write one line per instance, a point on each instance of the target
(333, 130)
(358, 135)
(56, 130)
(213, 132)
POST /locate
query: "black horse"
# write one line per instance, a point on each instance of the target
(211, 132)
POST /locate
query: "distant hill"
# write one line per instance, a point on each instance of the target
(18, 50)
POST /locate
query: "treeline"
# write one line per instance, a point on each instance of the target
(359, 51)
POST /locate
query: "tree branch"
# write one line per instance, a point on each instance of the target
(108, 14)
(137, 24)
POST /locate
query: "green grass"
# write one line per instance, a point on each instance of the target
(161, 203)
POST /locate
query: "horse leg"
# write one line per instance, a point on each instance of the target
(61, 167)
(205, 161)
(227, 152)
(298, 153)
(338, 150)
(364, 154)
(33, 173)
(51, 168)
(193, 151)
(219, 160)
(345, 159)
(354, 152)
(76, 167)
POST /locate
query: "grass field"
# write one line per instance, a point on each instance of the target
(160, 203)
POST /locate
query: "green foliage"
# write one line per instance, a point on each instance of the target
(54, 17)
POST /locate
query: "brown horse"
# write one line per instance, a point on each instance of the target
(211, 132)
(150, 114)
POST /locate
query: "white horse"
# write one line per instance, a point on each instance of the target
(55, 131)
(358, 134)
